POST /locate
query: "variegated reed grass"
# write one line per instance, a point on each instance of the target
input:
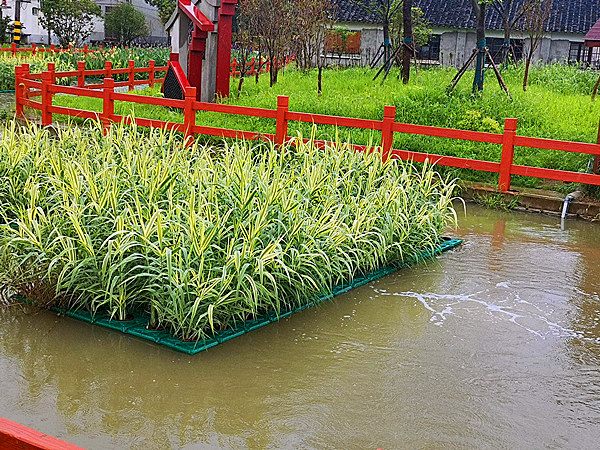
(202, 238)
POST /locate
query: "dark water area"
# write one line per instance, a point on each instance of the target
(495, 344)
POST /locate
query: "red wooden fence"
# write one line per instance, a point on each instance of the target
(28, 86)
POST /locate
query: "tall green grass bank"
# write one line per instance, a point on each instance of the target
(201, 238)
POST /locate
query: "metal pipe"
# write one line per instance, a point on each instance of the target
(567, 202)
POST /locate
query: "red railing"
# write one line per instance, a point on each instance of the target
(34, 49)
(25, 81)
(27, 86)
(255, 65)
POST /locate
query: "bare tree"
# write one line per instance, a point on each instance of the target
(408, 41)
(314, 19)
(246, 36)
(511, 14)
(535, 16)
(382, 11)
(273, 20)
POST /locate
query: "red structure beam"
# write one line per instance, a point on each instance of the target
(202, 26)
(226, 13)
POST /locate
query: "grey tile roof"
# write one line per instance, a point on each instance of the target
(570, 16)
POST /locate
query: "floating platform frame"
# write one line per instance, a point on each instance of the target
(137, 326)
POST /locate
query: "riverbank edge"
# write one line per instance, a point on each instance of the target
(531, 200)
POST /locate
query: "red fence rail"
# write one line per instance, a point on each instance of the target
(27, 86)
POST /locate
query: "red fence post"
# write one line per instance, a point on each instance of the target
(387, 131)
(108, 104)
(25, 76)
(33, 49)
(189, 115)
(597, 157)
(283, 106)
(80, 73)
(52, 48)
(52, 70)
(107, 69)
(508, 154)
(19, 92)
(151, 73)
(13, 48)
(131, 75)
(252, 66)
(85, 49)
(46, 99)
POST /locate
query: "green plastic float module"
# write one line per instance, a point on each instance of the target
(137, 326)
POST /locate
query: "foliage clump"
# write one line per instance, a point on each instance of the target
(202, 238)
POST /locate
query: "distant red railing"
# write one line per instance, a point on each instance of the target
(27, 86)
(255, 65)
(25, 80)
(34, 49)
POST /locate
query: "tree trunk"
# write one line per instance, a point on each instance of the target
(320, 81)
(240, 85)
(527, 63)
(272, 79)
(506, 46)
(480, 64)
(386, 41)
(408, 40)
(260, 63)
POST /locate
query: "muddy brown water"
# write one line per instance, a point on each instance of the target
(495, 344)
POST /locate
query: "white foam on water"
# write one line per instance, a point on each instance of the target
(517, 311)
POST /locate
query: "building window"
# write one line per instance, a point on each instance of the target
(576, 52)
(343, 42)
(431, 50)
(107, 9)
(34, 11)
(579, 53)
(495, 46)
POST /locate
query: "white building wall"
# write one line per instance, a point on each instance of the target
(33, 32)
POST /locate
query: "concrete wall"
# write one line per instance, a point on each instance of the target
(456, 45)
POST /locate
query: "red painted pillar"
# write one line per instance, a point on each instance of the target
(387, 131)
(283, 106)
(19, 92)
(508, 154)
(226, 13)
(197, 48)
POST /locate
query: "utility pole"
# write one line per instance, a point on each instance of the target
(17, 26)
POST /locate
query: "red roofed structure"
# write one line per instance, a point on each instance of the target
(592, 38)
